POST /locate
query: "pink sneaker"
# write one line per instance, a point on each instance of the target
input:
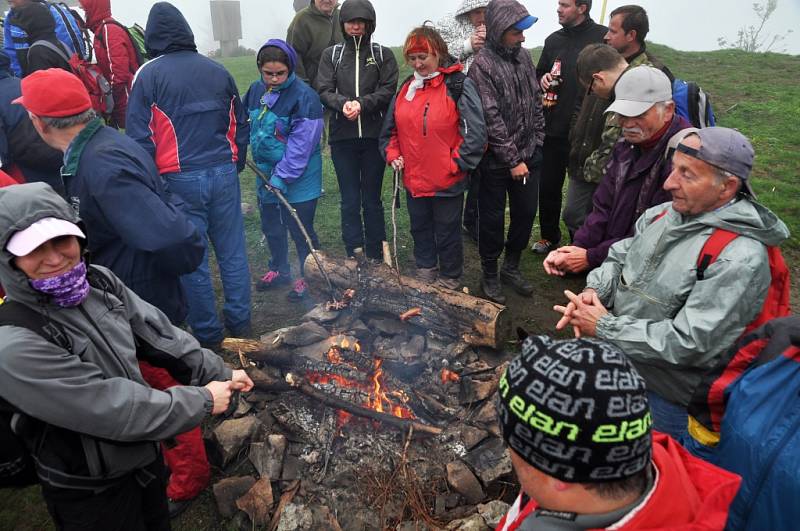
(270, 280)
(299, 290)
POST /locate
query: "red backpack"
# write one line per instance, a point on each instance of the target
(776, 304)
(95, 82)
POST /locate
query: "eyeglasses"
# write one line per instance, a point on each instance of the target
(591, 84)
(275, 75)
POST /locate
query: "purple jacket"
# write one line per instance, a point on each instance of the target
(633, 182)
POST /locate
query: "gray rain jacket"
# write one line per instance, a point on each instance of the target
(96, 390)
(673, 326)
(456, 30)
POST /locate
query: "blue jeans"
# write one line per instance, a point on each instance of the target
(668, 417)
(213, 203)
(276, 221)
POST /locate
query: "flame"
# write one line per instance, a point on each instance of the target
(379, 398)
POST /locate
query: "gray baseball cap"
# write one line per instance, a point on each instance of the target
(638, 89)
(725, 149)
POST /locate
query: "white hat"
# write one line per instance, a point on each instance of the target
(25, 241)
(638, 89)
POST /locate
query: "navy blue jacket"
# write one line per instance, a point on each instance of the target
(184, 108)
(20, 144)
(134, 227)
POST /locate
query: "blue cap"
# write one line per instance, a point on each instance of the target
(525, 23)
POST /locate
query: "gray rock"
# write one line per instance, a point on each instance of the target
(472, 436)
(486, 417)
(228, 490)
(413, 349)
(490, 461)
(360, 330)
(305, 334)
(231, 435)
(320, 314)
(242, 409)
(267, 457)
(295, 517)
(257, 502)
(473, 390)
(473, 523)
(463, 481)
(388, 326)
(493, 512)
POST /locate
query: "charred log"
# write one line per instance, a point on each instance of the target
(447, 313)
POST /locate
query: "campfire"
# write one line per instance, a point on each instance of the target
(368, 419)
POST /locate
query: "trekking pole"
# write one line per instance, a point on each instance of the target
(395, 206)
(297, 220)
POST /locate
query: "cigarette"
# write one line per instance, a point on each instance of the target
(524, 181)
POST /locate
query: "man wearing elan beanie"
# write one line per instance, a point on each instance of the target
(577, 422)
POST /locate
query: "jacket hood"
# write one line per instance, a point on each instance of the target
(287, 49)
(36, 20)
(5, 65)
(467, 6)
(352, 9)
(21, 206)
(748, 218)
(167, 31)
(96, 11)
(501, 15)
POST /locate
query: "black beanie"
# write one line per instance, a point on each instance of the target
(576, 410)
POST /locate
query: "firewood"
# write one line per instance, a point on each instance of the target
(448, 314)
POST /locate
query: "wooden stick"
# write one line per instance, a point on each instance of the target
(301, 385)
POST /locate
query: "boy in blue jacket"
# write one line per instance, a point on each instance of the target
(285, 130)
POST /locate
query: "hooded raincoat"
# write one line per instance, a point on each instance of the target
(184, 108)
(115, 53)
(456, 30)
(509, 90)
(285, 130)
(94, 391)
(673, 326)
(37, 22)
(358, 69)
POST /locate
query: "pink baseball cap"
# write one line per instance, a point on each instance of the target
(25, 241)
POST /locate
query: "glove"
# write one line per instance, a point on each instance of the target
(280, 184)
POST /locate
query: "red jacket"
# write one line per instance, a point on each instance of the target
(440, 140)
(690, 494)
(116, 56)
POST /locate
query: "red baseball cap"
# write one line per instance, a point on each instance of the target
(54, 93)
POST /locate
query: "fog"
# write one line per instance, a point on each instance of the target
(681, 24)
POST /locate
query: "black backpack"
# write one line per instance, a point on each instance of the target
(454, 83)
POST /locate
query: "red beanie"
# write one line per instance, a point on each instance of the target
(54, 93)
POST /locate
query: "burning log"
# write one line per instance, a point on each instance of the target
(449, 314)
(305, 388)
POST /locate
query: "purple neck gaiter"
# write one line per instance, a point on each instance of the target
(67, 289)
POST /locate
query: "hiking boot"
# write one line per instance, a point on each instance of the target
(490, 285)
(176, 507)
(272, 279)
(543, 247)
(299, 290)
(448, 283)
(426, 275)
(512, 277)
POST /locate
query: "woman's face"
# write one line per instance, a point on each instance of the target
(51, 258)
(423, 63)
(356, 27)
(274, 73)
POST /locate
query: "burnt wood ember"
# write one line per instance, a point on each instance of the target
(446, 313)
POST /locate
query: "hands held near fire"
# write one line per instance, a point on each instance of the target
(567, 259)
(221, 392)
(351, 110)
(582, 313)
(398, 163)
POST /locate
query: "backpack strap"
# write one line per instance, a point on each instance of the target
(13, 313)
(76, 42)
(379, 48)
(713, 247)
(336, 56)
(50, 46)
(455, 85)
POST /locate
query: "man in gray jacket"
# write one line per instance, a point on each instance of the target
(648, 296)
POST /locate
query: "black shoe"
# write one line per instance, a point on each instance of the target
(244, 331)
(176, 507)
(492, 289)
(512, 277)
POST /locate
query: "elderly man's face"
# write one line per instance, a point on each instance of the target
(694, 184)
(477, 17)
(638, 129)
(51, 258)
(326, 6)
